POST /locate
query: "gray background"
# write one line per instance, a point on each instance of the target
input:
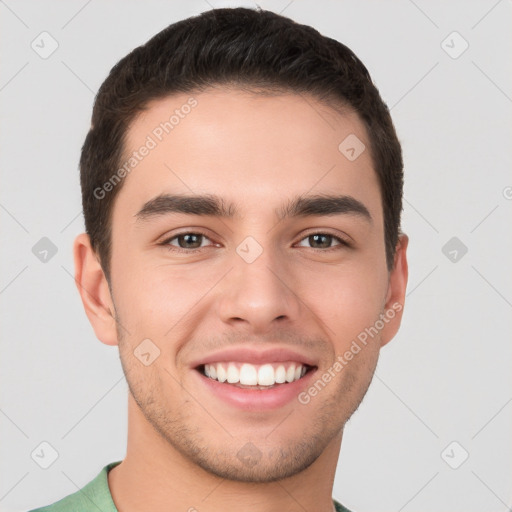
(446, 376)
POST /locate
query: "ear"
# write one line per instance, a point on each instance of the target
(395, 297)
(93, 289)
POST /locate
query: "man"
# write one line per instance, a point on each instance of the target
(242, 190)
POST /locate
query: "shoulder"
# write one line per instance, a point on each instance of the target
(95, 495)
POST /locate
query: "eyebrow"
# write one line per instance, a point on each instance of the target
(215, 206)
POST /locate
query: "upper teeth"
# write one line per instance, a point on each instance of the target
(254, 375)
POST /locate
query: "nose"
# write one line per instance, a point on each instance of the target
(259, 294)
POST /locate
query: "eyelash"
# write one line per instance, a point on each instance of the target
(342, 243)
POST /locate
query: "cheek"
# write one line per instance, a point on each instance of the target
(347, 300)
(154, 299)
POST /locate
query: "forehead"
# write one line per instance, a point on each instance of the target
(254, 150)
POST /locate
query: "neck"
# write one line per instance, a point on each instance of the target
(172, 482)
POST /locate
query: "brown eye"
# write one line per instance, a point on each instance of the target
(190, 240)
(322, 241)
(187, 241)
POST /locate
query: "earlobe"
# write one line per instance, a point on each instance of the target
(93, 288)
(395, 298)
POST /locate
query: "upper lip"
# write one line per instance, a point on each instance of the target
(254, 356)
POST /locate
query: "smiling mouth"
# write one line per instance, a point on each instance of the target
(252, 376)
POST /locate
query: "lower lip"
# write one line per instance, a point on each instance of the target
(257, 399)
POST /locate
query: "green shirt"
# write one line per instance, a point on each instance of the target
(95, 496)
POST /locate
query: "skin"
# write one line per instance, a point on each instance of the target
(257, 152)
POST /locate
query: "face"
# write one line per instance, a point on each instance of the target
(263, 279)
